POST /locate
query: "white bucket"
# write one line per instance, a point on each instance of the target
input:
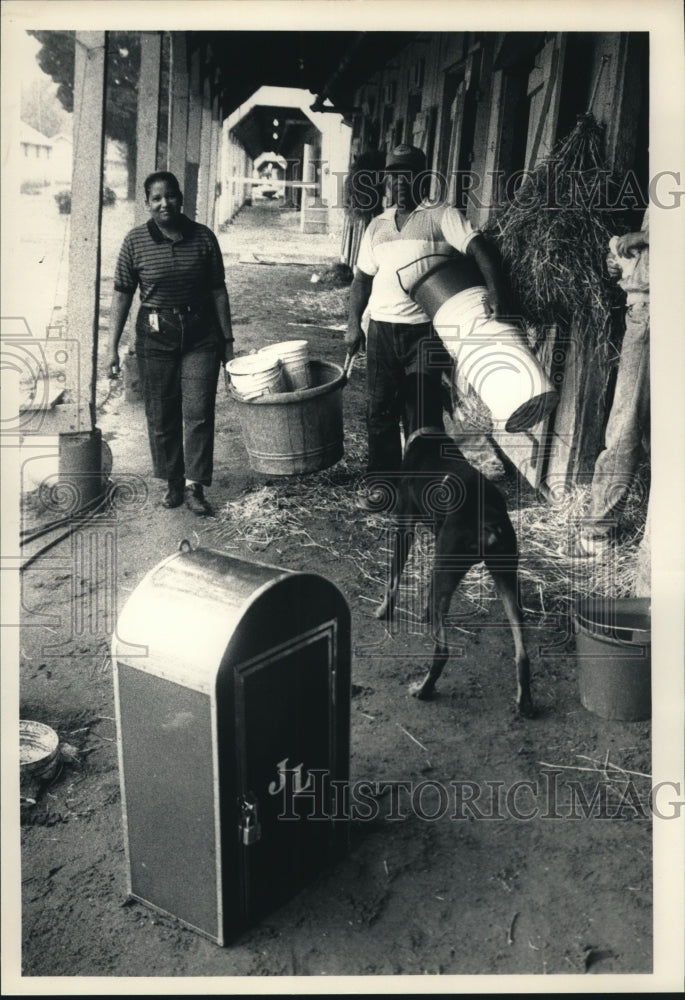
(256, 375)
(494, 358)
(38, 750)
(294, 356)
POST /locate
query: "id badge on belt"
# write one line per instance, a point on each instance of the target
(154, 321)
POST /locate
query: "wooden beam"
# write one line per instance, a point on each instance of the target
(148, 115)
(86, 217)
(203, 202)
(178, 108)
(214, 160)
(194, 135)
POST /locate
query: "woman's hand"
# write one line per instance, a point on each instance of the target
(113, 366)
(121, 304)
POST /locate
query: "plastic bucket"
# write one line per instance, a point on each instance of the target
(433, 279)
(296, 432)
(38, 750)
(256, 375)
(294, 356)
(492, 355)
(613, 647)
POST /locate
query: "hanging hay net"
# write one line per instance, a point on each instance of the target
(554, 236)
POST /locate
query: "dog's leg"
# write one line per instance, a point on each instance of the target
(443, 585)
(507, 583)
(403, 536)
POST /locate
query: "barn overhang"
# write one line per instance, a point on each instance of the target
(331, 65)
(281, 129)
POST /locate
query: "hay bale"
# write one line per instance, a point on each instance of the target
(553, 239)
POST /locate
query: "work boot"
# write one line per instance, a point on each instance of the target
(174, 494)
(195, 501)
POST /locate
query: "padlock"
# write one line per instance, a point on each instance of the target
(250, 827)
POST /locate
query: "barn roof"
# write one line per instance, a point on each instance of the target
(33, 137)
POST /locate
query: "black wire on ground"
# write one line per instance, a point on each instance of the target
(60, 538)
(28, 535)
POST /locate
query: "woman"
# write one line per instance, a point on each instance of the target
(183, 333)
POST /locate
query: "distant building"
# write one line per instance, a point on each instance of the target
(46, 161)
(63, 155)
(36, 157)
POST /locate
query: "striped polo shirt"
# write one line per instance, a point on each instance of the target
(177, 272)
(396, 258)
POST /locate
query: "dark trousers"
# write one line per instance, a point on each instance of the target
(179, 370)
(405, 363)
(628, 425)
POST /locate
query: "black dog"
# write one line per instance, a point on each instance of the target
(469, 517)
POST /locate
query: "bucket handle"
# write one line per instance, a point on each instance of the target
(347, 367)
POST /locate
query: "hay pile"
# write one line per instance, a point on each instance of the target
(298, 513)
(297, 506)
(554, 236)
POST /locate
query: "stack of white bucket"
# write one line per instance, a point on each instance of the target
(294, 357)
(256, 375)
(274, 369)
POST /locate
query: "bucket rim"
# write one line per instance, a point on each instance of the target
(431, 272)
(586, 615)
(532, 412)
(284, 345)
(39, 738)
(252, 363)
(299, 395)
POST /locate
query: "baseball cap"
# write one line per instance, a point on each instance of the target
(406, 157)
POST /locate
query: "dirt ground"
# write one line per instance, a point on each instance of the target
(476, 892)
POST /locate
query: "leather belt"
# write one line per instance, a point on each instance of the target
(177, 310)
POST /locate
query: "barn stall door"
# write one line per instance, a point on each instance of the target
(530, 450)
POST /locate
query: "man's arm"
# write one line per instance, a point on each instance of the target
(360, 293)
(485, 258)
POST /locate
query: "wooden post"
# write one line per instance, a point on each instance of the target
(148, 115)
(214, 151)
(203, 200)
(86, 216)
(194, 133)
(178, 108)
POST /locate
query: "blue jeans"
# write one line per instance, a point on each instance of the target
(628, 422)
(179, 370)
(396, 355)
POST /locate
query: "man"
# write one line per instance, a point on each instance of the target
(401, 342)
(627, 426)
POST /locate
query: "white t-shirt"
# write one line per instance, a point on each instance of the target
(395, 258)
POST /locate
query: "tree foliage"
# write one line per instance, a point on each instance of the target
(40, 108)
(56, 58)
